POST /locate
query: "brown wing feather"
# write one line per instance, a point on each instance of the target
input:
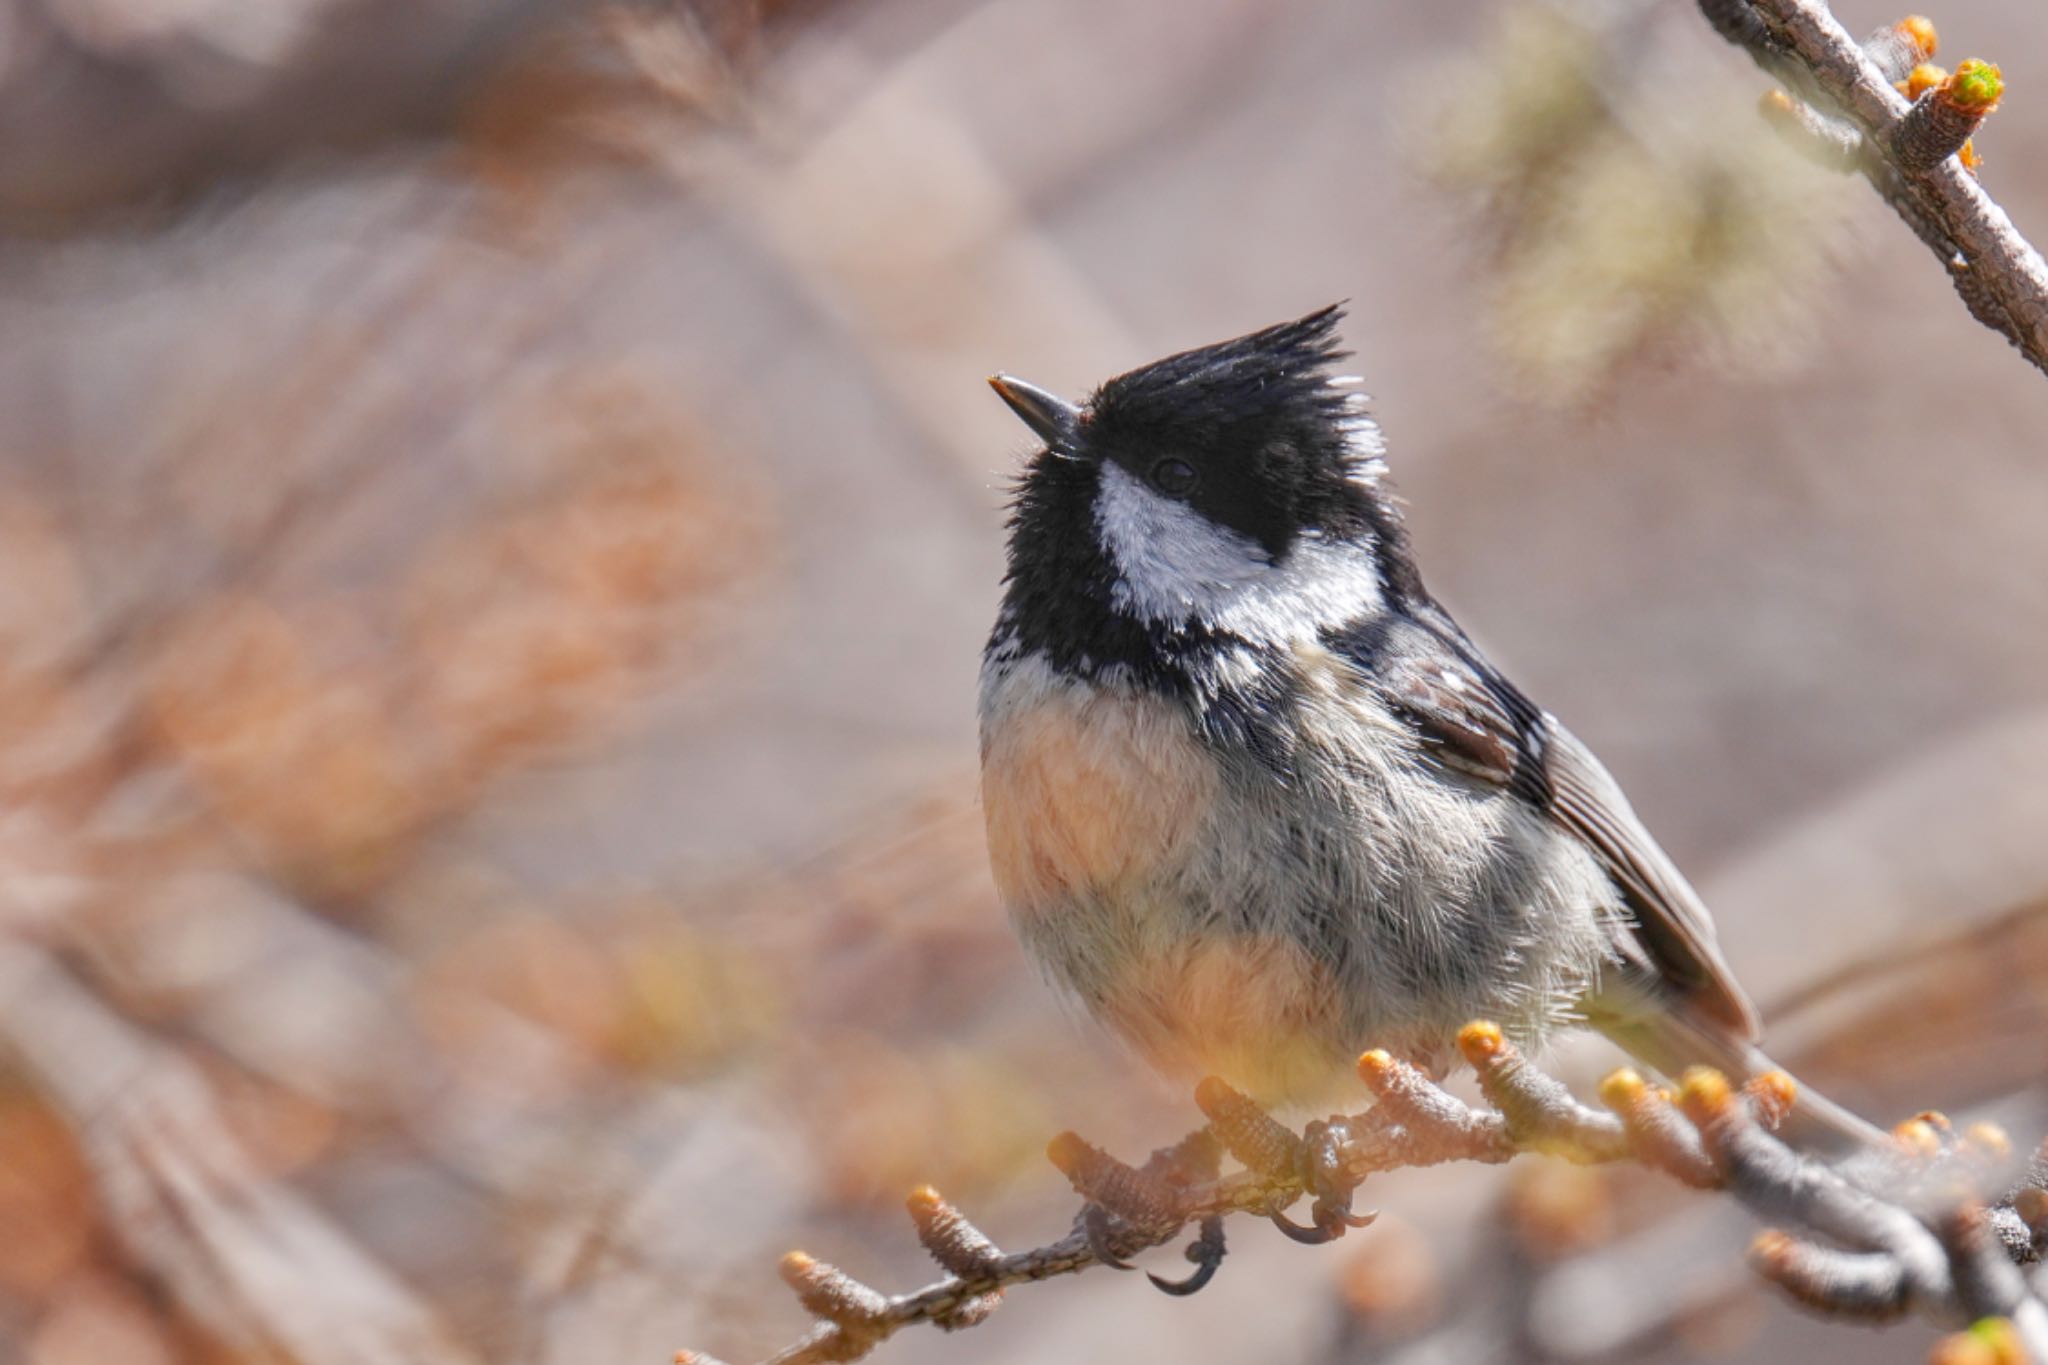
(1461, 721)
(1476, 723)
(1671, 921)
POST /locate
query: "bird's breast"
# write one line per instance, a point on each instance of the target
(1090, 791)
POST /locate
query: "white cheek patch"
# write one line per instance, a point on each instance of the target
(1175, 564)
(1172, 560)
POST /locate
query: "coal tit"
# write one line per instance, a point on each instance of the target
(1258, 802)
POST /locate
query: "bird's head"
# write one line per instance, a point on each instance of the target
(1234, 488)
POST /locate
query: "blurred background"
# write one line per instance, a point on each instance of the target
(498, 517)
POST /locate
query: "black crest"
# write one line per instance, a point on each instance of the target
(1276, 373)
(1249, 432)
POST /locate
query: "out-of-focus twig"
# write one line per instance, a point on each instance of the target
(1934, 1226)
(1906, 150)
(256, 1262)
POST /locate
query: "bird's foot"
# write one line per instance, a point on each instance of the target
(1327, 1175)
(1314, 1161)
(1195, 1160)
(1132, 1207)
(1098, 1225)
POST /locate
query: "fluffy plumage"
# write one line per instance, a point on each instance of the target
(1256, 800)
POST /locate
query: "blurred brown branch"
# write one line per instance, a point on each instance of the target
(212, 95)
(1937, 1225)
(364, 554)
(2000, 276)
(252, 1258)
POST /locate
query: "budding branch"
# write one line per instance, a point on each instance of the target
(1939, 1224)
(1906, 149)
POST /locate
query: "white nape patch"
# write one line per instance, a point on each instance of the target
(1367, 442)
(1173, 563)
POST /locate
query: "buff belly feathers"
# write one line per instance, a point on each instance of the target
(1232, 918)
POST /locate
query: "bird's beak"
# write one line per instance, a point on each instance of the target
(1051, 416)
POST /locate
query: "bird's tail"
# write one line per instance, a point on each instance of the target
(1670, 1042)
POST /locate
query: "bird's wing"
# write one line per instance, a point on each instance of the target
(1670, 919)
(1474, 722)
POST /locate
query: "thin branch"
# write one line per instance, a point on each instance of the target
(1907, 149)
(1906, 1229)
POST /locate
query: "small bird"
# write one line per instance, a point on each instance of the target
(1254, 798)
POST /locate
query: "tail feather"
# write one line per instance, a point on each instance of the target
(1670, 1043)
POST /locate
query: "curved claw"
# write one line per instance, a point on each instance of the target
(1203, 1273)
(1095, 1226)
(1206, 1251)
(1314, 1235)
(1330, 1221)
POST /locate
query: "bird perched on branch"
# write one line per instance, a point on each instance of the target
(1253, 796)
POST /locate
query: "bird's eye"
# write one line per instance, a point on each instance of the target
(1174, 477)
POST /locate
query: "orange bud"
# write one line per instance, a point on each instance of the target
(1067, 1152)
(1772, 1247)
(1924, 77)
(1481, 1041)
(829, 1292)
(1988, 1138)
(1775, 1093)
(1918, 1138)
(1961, 1349)
(1989, 1341)
(1623, 1087)
(1704, 1091)
(1919, 30)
